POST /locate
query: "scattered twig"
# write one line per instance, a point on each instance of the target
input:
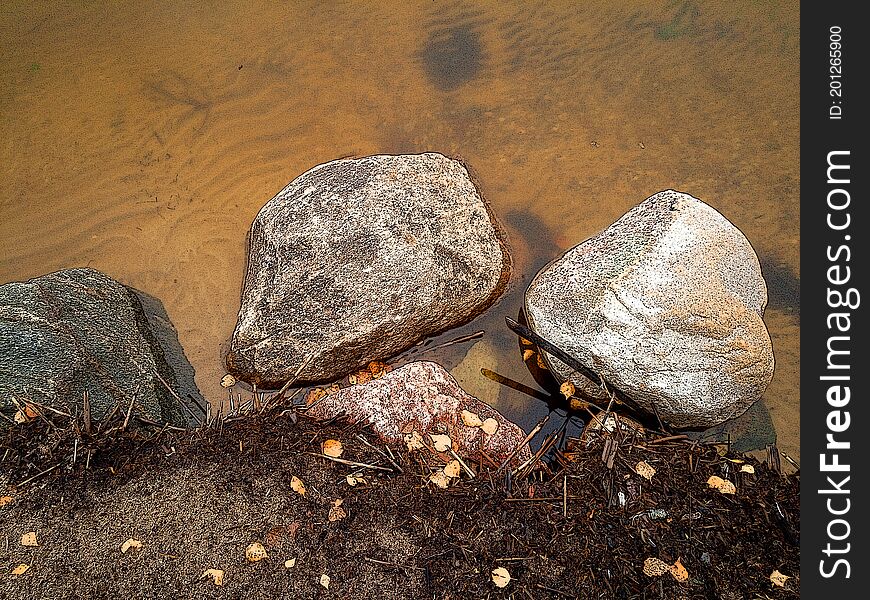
(350, 462)
(38, 475)
(384, 454)
(525, 441)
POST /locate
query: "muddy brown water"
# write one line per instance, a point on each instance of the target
(142, 140)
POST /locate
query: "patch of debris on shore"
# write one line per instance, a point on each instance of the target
(275, 504)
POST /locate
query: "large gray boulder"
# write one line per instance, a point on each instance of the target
(666, 304)
(358, 259)
(79, 330)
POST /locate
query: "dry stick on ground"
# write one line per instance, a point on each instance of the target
(350, 462)
(384, 454)
(86, 411)
(280, 394)
(184, 407)
(525, 441)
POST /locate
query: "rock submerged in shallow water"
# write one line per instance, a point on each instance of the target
(666, 304)
(77, 330)
(358, 259)
(418, 397)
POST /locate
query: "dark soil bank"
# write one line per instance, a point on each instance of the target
(197, 500)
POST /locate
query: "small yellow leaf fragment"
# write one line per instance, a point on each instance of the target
(332, 448)
(723, 485)
(679, 572)
(471, 419)
(20, 417)
(414, 441)
(314, 395)
(645, 470)
(227, 381)
(442, 442)
(777, 578)
(297, 486)
(217, 576)
(336, 512)
(20, 569)
(490, 426)
(4, 500)
(439, 479)
(452, 469)
(255, 552)
(567, 389)
(324, 580)
(655, 567)
(131, 543)
(289, 564)
(539, 358)
(355, 480)
(29, 539)
(736, 461)
(527, 354)
(747, 469)
(501, 577)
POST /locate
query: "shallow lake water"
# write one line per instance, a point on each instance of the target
(141, 139)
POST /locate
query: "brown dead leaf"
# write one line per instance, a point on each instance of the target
(332, 448)
(527, 354)
(20, 417)
(567, 389)
(414, 441)
(29, 539)
(314, 395)
(255, 552)
(452, 469)
(20, 569)
(440, 479)
(645, 470)
(297, 486)
(655, 567)
(4, 500)
(441, 442)
(778, 579)
(30, 412)
(336, 512)
(489, 426)
(131, 543)
(360, 377)
(723, 485)
(679, 572)
(217, 576)
(471, 419)
(355, 480)
(379, 369)
(501, 577)
(540, 360)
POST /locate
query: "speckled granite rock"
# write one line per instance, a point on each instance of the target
(77, 330)
(667, 305)
(357, 260)
(418, 397)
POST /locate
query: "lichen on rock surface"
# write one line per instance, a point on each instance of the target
(666, 304)
(358, 259)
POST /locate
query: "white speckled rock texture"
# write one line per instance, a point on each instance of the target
(419, 397)
(357, 260)
(666, 304)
